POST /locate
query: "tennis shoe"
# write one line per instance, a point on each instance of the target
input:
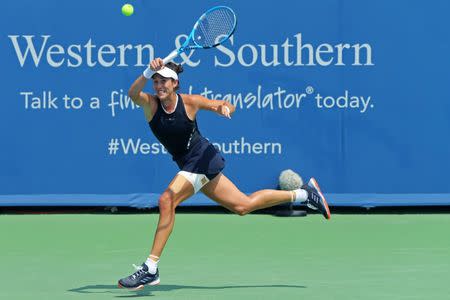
(316, 199)
(138, 279)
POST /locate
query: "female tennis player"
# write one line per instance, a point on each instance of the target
(172, 119)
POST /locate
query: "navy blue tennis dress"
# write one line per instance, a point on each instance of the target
(182, 139)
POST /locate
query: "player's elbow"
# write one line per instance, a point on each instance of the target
(136, 97)
(133, 94)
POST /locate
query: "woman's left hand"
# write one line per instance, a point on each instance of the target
(224, 111)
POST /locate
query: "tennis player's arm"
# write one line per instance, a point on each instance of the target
(144, 100)
(223, 108)
(137, 95)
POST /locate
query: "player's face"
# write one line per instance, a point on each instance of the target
(163, 86)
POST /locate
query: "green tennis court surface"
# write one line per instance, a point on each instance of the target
(218, 256)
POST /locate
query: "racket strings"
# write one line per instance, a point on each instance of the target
(215, 27)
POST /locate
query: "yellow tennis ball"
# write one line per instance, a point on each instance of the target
(127, 9)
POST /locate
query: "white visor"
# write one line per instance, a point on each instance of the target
(167, 73)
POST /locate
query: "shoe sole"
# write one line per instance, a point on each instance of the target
(316, 185)
(141, 287)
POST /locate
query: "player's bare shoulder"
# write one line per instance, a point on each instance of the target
(191, 105)
(188, 99)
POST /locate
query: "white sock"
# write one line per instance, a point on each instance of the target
(152, 265)
(300, 195)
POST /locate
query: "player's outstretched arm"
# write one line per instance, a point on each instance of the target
(222, 108)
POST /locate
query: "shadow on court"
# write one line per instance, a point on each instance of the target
(147, 291)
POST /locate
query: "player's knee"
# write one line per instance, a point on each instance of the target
(242, 210)
(166, 202)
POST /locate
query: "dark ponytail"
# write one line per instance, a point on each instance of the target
(175, 67)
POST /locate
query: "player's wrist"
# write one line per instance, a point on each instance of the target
(148, 73)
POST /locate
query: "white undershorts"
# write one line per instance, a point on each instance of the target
(197, 180)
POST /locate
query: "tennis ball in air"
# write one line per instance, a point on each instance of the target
(127, 9)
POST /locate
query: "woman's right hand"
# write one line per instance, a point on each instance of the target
(156, 64)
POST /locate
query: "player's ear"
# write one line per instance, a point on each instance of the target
(176, 83)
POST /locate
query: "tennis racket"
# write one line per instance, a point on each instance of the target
(213, 28)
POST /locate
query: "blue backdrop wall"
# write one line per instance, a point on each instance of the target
(352, 92)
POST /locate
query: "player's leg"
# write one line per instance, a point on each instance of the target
(178, 190)
(147, 274)
(224, 192)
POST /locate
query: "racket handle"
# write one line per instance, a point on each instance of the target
(171, 56)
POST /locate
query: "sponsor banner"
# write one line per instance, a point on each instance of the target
(351, 93)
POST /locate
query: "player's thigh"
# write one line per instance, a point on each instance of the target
(179, 189)
(224, 192)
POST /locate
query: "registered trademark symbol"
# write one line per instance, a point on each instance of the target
(309, 90)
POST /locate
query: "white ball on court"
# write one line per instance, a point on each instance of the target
(289, 180)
